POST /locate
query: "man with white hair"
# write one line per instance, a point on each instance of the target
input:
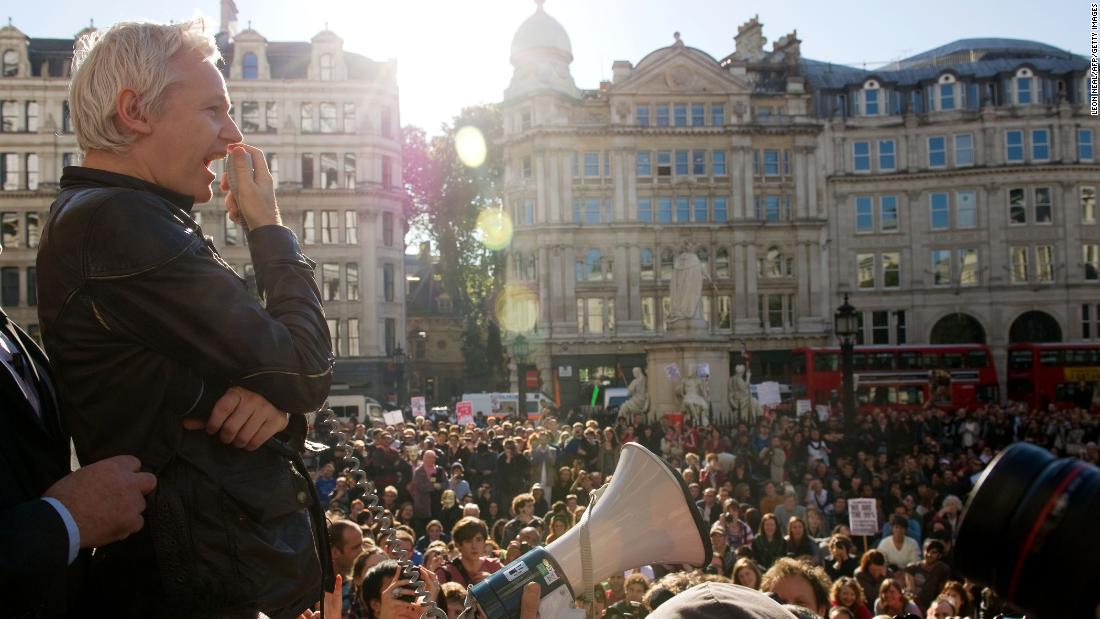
(428, 482)
(147, 327)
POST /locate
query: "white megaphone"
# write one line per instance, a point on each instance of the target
(644, 516)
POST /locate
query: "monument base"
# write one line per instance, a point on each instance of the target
(687, 355)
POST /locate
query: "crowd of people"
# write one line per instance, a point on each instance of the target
(773, 494)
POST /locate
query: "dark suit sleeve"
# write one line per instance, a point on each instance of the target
(34, 547)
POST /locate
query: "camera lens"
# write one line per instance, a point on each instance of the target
(1029, 529)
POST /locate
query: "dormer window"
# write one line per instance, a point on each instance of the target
(9, 65)
(250, 66)
(947, 92)
(1023, 87)
(326, 67)
(871, 98)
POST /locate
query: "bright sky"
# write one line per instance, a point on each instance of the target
(454, 53)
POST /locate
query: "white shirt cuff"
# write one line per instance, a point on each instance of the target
(70, 526)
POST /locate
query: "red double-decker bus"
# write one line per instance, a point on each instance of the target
(902, 377)
(1065, 375)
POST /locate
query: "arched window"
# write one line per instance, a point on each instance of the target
(722, 262)
(947, 93)
(326, 67)
(645, 258)
(1024, 90)
(10, 63)
(668, 258)
(772, 265)
(593, 265)
(872, 95)
(250, 66)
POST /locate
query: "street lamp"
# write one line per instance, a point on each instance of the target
(846, 327)
(519, 353)
(399, 365)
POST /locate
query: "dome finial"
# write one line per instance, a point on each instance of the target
(540, 3)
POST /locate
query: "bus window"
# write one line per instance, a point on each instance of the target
(932, 361)
(882, 361)
(1019, 360)
(1050, 357)
(825, 362)
(988, 393)
(952, 360)
(909, 361)
(977, 359)
(859, 361)
(910, 394)
(1077, 357)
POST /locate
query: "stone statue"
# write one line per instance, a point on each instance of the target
(638, 400)
(740, 399)
(694, 398)
(686, 291)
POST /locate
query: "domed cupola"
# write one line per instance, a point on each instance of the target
(541, 55)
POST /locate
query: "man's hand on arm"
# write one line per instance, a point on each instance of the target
(242, 418)
(257, 189)
(105, 499)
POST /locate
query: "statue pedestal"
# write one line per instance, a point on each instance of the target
(685, 348)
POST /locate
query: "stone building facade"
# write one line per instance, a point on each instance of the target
(328, 122)
(767, 165)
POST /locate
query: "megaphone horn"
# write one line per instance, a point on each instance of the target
(644, 516)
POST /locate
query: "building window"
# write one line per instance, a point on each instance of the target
(387, 172)
(31, 171)
(698, 114)
(1088, 205)
(645, 260)
(330, 227)
(940, 212)
(528, 211)
(718, 163)
(232, 231)
(1023, 91)
(390, 330)
(334, 335)
(31, 123)
(683, 210)
(1091, 252)
(9, 230)
(1017, 209)
(645, 210)
(865, 271)
(668, 259)
(649, 314)
(387, 229)
(350, 170)
(662, 115)
(351, 280)
(681, 163)
(9, 66)
(9, 171)
(717, 115)
(679, 112)
(1042, 205)
(771, 161)
(326, 67)
(525, 168)
(309, 228)
(870, 102)
(1040, 145)
(353, 337)
(664, 163)
(947, 97)
(774, 264)
(891, 270)
(861, 156)
(865, 214)
(328, 117)
(880, 327)
(644, 164)
(591, 164)
(250, 116)
(888, 213)
(1087, 328)
(941, 267)
(769, 208)
(937, 151)
(899, 327)
(968, 267)
(720, 214)
(330, 176)
(9, 116)
(250, 66)
(722, 263)
(700, 210)
(1014, 146)
(887, 160)
(591, 214)
(641, 115)
(330, 281)
(1084, 145)
(699, 162)
(966, 209)
(9, 286)
(32, 286)
(1019, 264)
(1044, 264)
(664, 210)
(964, 150)
(387, 282)
(33, 230)
(271, 116)
(306, 115)
(350, 126)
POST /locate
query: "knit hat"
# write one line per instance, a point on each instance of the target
(720, 600)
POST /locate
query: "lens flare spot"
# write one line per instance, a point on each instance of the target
(517, 308)
(470, 146)
(495, 227)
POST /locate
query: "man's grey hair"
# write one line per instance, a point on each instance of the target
(128, 55)
(471, 509)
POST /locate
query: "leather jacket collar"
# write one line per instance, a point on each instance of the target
(77, 176)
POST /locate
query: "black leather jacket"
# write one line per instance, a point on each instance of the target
(145, 324)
